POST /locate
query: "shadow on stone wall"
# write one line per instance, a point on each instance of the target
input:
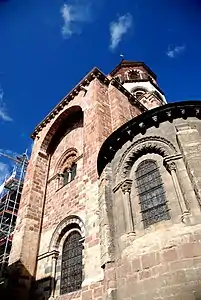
(18, 284)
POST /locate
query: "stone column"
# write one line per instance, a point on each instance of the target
(53, 275)
(190, 146)
(126, 189)
(171, 167)
(106, 225)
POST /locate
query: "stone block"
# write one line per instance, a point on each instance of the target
(136, 265)
(87, 295)
(190, 250)
(149, 260)
(169, 255)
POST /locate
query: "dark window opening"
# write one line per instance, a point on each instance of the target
(69, 174)
(151, 193)
(71, 271)
(138, 94)
(134, 75)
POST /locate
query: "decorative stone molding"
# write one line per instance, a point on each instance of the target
(183, 127)
(126, 189)
(53, 253)
(155, 118)
(170, 161)
(71, 152)
(197, 111)
(170, 166)
(61, 229)
(130, 129)
(95, 73)
(126, 186)
(169, 114)
(148, 144)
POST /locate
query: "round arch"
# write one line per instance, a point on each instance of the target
(74, 112)
(61, 162)
(139, 88)
(143, 146)
(65, 225)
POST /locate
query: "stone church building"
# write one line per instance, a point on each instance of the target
(110, 207)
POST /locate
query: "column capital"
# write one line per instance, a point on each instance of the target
(126, 186)
(170, 165)
(55, 254)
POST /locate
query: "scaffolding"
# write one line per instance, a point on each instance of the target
(10, 194)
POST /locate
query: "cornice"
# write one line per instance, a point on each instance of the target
(94, 73)
(125, 63)
(141, 123)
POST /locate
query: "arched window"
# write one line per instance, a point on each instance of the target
(151, 193)
(71, 266)
(134, 75)
(69, 174)
(138, 92)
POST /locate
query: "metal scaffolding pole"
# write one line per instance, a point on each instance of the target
(9, 205)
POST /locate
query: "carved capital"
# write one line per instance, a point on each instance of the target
(55, 254)
(126, 186)
(170, 166)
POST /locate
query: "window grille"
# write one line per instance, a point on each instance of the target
(71, 270)
(151, 193)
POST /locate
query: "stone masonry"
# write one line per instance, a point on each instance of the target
(100, 120)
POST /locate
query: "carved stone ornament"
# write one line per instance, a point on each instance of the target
(60, 230)
(197, 111)
(126, 186)
(170, 166)
(151, 144)
(169, 113)
(155, 118)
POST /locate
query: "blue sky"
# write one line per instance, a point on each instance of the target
(47, 46)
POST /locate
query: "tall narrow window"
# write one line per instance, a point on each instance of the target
(71, 271)
(151, 193)
(69, 174)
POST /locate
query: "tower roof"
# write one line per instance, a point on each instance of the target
(130, 63)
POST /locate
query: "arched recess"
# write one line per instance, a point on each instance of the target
(70, 222)
(134, 74)
(139, 88)
(143, 146)
(61, 164)
(69, 119)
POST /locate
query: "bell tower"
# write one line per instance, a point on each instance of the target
(141, 82)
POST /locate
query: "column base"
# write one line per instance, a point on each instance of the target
(190, 220)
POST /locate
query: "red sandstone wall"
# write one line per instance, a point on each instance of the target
(103, 112)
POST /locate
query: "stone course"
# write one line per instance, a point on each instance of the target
(121, 259)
